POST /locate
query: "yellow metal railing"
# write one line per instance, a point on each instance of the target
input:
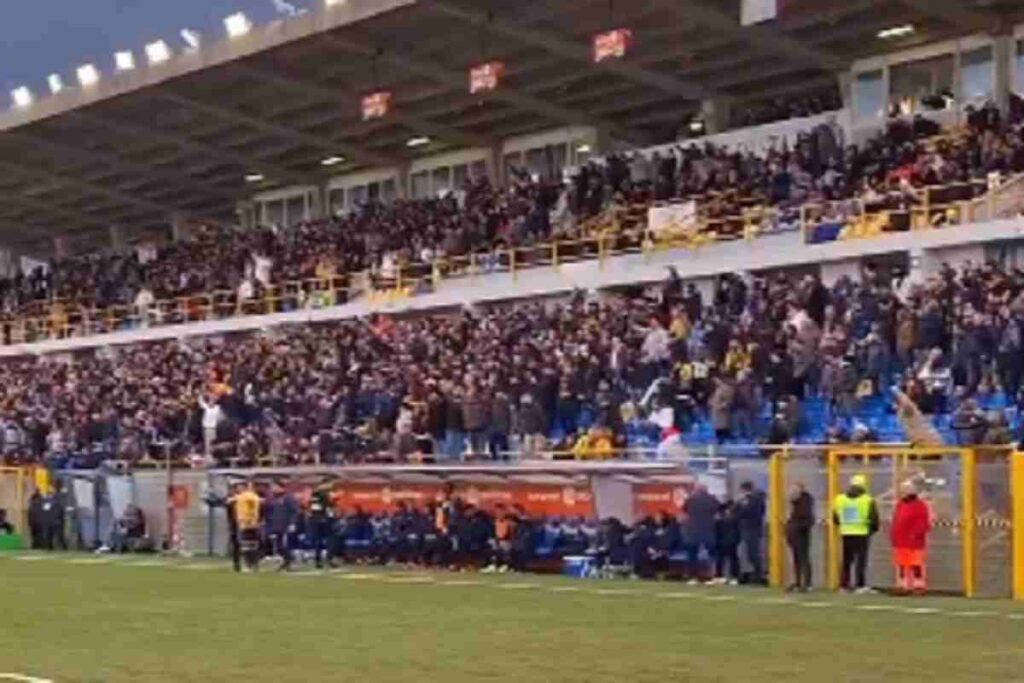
(612, 233)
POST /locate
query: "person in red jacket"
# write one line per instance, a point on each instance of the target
(911, 522)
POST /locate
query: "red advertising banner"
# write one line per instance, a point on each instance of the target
(536, 499)
(651, 499)
(612, 44)
(376, 105)
(485, 77)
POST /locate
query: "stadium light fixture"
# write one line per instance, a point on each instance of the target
(190, 38)
(124, 60)
(254, 178)
(896, 31)
(332, 161)
(418, 141)
(55, 82)
(237, 25)
(335, 3)
(157, 52)
(22, 96)
(88, 75)
(583, 149)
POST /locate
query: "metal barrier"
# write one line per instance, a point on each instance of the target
(969, 491)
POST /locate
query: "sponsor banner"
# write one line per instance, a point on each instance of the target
(536, 499)
(485, 77)
(612, 44)
(376, 105)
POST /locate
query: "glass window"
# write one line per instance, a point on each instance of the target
(513, 163)
(869, 96)
(559, 159)
(357, 196)
(977, 74)
(460, 174)
(420, 185)
(274, 212)
(924, 84)
(336, 201)
(295, 210)
(390, 191)
(373, 192)
(478, 170)
(442, 180)
(537, 162)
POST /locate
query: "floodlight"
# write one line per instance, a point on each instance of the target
(124, 60)
(418, 141)
(190, 38)
(254, 178)
(157, 52)
(332, 161)
(22, 96)
(88, 75)
(237, 25)
(55, 82)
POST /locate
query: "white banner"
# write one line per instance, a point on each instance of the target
(756, 11)
(672, 218)
(85, 498)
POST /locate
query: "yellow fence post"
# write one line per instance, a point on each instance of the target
(969, 517)
(1017, 496)
(831, 540)
(554, 252)
(776, 520)
(512, 262)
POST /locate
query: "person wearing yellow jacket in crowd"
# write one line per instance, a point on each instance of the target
(856, 516)
(248, 506)
(595, 444)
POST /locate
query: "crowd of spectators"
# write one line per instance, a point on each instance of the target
(414, 238)
(583, 376)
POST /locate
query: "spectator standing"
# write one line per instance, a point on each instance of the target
(750, 510)
(799, 526)
(911, 522)
(856, 515)
(700, 510)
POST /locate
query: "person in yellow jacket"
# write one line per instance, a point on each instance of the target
(595, 444)
(247, 506)
(855, 514)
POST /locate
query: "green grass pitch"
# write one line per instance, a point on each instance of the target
(119, 620)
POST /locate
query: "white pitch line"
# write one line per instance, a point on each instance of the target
(877, 608)
(921, 610)
(972, 613)
(23, 678)
(821, 603)
(32, 558)
(1015, 617)
(565, 589)
(613, 591)
(517, 586)
(460, 582)
(357, 577)
(91, 560)
(411, 579)
(677, 595)
(145, 563)
(719, 598)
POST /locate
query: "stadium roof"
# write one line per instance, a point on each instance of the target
(180, 137)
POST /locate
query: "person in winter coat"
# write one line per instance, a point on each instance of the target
(911, 522)
(750, 510)
(798, 535)
(700, 510)
(856, 515)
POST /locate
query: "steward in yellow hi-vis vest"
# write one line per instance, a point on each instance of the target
(856, 516)
(247, 507)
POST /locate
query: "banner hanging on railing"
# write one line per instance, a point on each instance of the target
(485, 77)
(675, 218)
(376, 105)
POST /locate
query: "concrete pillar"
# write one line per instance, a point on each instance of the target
(715, 114)
(845, 79)
(61, 248)
(118, 241)
(1003, 55)
(403, 180)
(496, 166)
